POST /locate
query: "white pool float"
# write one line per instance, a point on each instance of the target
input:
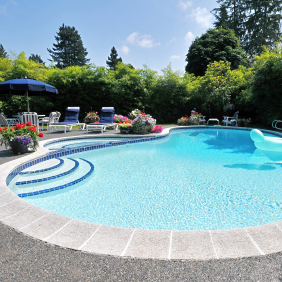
(266, 143)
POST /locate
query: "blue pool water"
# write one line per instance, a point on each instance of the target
(195, 179)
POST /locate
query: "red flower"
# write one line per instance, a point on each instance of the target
(18, 126)
(28, 123)
(32, 128)
(0, 129)
(40, 134)
(5, 127)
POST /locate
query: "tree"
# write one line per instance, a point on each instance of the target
(69, 50)
(262, 25)
(235, 18)
(113, 59)
(222, 18)
(214, 45)
(36, 58)
(3, 53)
(255, 22)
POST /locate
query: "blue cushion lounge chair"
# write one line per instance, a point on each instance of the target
(71, 119)
(106, 119)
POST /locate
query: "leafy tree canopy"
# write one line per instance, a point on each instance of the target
(215, 45)
(3, 53)
(113, 59)
(69, 50)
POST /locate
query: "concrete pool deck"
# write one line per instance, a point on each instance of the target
(129, 244)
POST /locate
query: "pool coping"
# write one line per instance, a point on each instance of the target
(127, 242)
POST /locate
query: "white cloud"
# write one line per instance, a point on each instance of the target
(125, 49)
(144, 41)
(3, 10)
(174, 57)
(202, 16)
(132, 37)
(189, 37)
(185, 5)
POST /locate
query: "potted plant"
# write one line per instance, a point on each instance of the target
(240, 122)
(91, 117)
(125, 128)
(20, 138)
(183, 121)
(247, 122)
(195, 117)
(143, 123)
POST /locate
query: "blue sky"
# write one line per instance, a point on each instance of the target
(151, 32)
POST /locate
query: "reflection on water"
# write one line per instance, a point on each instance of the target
(251, 166)
(273, 156)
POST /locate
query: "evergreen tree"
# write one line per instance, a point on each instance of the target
(113, 59)
(36, 58)
(69, 50)
(255, 22)
(3, 53)
(215, 45)
(221, 16)
(262, 25)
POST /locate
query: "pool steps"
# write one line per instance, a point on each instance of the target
(75, 167)
(68, 177)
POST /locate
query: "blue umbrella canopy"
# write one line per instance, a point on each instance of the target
(26, 86)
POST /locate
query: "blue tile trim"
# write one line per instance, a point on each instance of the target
(65, 152)
(61, 186)
(76, 165)
(45, 169)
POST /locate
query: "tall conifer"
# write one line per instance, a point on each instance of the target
(113, 59)
(69, 50)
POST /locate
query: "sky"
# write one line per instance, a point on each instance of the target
(154, 33)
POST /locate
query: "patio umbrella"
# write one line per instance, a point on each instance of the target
(26, 86)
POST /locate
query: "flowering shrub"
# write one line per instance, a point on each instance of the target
(183, 121)
(92, 117)
(119, 118)
(134, 114)
(157, 129)
(26, 134)
(193, 119)
(196, 115)
(143, 123)
(247, 120)
(126, 123)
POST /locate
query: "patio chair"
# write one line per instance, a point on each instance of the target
(71, 119)
(106, 120)
(230, 120)
(4, 121)
(29, 116)
(53, 118)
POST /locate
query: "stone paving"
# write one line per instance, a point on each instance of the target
(27, 259)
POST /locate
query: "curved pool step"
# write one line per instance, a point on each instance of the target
(51, 177)
(61, 186)
(44, 169)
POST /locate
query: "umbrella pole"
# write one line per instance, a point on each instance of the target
(26, 93)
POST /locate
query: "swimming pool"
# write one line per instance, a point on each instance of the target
(195, 179)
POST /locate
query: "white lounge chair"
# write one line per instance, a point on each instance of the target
(4, 121)
(229, 120)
